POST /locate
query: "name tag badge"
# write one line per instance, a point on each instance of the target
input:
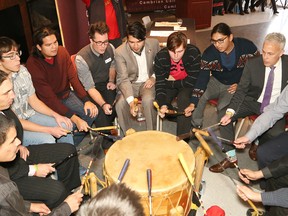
(108, 60)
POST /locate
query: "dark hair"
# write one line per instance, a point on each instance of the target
(6, 45)
(115, 200)
(38, 37)
(221, 28)
(5, 124)
(3, 76)
(137, 30)
(99, 27)
(175, 40)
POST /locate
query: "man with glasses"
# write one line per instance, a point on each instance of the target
(224, 60)
(41, 124)
(263, 79)
(135, 77)
(96, 70)
(52, 74)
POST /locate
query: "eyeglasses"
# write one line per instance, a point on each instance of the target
(101, 43)
(220, 41)
(13, 55)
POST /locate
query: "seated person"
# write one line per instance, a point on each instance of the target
(96, 70)
(33, 164)
(275, 197)
(135, 77)
(12, 202)
(40, 123)
(177, 68)
(117, 199)
(52, 74)
(252, 96)
(225, 59)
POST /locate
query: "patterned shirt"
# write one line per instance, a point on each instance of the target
(23, 89)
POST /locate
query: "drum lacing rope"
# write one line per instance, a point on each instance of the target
(87, 185)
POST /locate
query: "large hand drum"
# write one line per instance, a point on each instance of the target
(171, 190)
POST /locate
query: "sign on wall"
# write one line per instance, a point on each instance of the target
(149, 5)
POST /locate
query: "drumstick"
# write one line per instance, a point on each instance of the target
(123, 170)
(191, 133)
(202, 132)
(174, 112)
(149, 182)
(204, 143)
(114, 138)
(103, 128)
(135, 101)
(169, 112)
(86, 174)
(92, 129)
(184, 136)
(188, 174)
(211, 126)
(70, 156)
(156, 106)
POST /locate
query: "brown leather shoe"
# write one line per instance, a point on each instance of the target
(253, 151)
(220, 167)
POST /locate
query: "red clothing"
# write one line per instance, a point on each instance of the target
(52, 81)
(111, 20)
(177, 70)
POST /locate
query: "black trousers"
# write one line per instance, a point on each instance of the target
(46, 190)
(248, 108)
(272, 150)
(104, 120)
(183, 100)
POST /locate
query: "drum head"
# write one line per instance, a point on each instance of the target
(153, 150)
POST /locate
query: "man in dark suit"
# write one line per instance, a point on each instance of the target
(251, 95)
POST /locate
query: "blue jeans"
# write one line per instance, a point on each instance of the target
(75, 104)
(34, 138)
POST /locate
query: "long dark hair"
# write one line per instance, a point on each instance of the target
(38, 37)
(221, 28)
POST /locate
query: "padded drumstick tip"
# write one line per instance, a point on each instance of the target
(123, 170)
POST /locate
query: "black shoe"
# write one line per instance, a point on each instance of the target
(250, 212)
(246, 11)
(230, 11)
(275, 12)
(242, 13)
(252, 9)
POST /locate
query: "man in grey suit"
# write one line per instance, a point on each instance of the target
(134, 65)
(250, 96)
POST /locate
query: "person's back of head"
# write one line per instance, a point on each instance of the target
(115, 200)
(137, 30)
